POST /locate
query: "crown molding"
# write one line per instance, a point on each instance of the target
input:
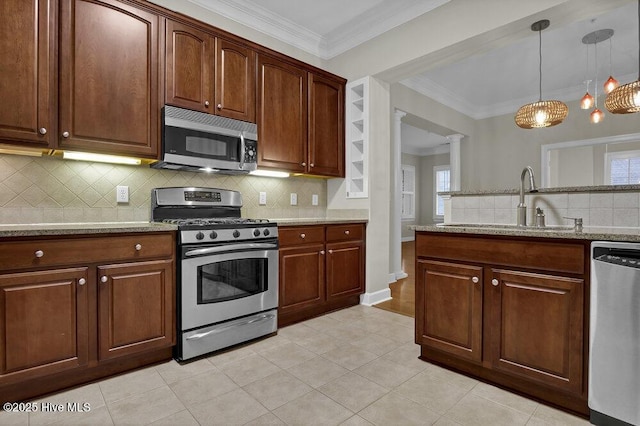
(370, 24)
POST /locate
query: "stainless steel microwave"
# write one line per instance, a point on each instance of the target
(197, 141)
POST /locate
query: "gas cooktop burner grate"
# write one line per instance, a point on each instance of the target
(213, 221)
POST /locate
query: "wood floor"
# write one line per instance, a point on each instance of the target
(403, 291)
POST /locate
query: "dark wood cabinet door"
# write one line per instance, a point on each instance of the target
(43, 323)
(189, 67)
(27, 85)
(135, 307)
(449, 308)
(538, 327)
(326, 126)
(109, 78)
(235, 90)
(302, 277)
(345, 269)
(282, 115)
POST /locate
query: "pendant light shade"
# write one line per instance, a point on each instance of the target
(587, 101)
(596, 116)
(610, 84)
(625, 99)
(542, 113)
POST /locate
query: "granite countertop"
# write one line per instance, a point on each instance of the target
(588, 233)
(44, 229)
(315, 221)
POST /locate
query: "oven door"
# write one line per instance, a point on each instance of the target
(219, 283)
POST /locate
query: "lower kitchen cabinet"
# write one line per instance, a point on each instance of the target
(69, 315)
(510, 311)
(321, 270)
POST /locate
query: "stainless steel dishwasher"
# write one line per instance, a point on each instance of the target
(614, 345)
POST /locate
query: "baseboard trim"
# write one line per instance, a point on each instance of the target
(401, 275)
(369, 299)
(407, 239)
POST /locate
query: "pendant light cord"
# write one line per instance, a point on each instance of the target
(540, 61)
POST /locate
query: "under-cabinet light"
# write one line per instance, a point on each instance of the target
(100, 158)
(269, 173)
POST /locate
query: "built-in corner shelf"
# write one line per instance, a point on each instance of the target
(357, 138)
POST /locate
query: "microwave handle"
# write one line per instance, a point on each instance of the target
(242, 151)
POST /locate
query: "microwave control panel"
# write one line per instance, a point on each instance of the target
(250, 151)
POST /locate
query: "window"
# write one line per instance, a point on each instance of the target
(441, 183)
(408, 192)
(622, 168)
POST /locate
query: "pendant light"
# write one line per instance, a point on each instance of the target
(541, 113)
(625, 99)
(611, 82)
(587, 100)
(594, 38)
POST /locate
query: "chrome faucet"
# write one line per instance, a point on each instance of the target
(522, 207)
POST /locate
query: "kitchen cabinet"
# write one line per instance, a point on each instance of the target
(300, 119)
(109, 78)
(208, 73)
(27, 89)
(326, 126)
(508, 310)
(83, 307)
(104, 97)
(321, 269)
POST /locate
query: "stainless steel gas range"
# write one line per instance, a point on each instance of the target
(227, 273)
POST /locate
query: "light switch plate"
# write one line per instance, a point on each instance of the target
(314, 199)
(122, 194)
(262, 199)
(294, 199)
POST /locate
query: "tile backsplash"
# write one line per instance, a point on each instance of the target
(596, 208)
(51, 190)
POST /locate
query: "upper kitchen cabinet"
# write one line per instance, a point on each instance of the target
(27, 62)
(209, 74)
(300, 119)
(109, 78)
(282, 115)
(326, 126)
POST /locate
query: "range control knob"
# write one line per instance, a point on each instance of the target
(256, 232)
(199, 236)
(213, 235)
(265, 232)
(236, 234)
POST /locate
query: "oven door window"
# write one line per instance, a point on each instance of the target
(231, 279)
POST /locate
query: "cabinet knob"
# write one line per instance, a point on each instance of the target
(303, 164)
(39, 253)
(104, 279)
(495, 282)
(219, 106)
(65, 134)
(475, 280)
(311, 165)
(330, 251)
(82, 281)
(43, 131)
(321, 251)
(206, 103)
(138, 247)
(303, 236)
(347, 232)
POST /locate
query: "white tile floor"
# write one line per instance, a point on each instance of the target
(358, 366)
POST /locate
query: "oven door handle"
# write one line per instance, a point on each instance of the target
(220, 249)
(226, 327)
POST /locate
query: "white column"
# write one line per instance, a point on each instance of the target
(396, 210)
(454, 160)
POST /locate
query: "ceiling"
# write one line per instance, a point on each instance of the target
(494, 82)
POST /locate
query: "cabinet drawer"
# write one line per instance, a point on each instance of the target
(301, 235)
(72, 251)
(345, 232)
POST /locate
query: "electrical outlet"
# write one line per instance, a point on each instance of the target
(314, 199)
(122, 194)
(263, 199)
(294, 199)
